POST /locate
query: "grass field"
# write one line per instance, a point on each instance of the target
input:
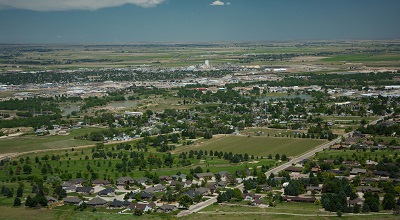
(351, 154)
(270, 131)
(281, 211)
(258, 146)
(34, 142)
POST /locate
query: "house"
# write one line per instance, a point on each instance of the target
(211, 187)
(240, 173)
(368, 188)
(142, 181)
(358, 134)
(176, 177)
(395, 147)
(313, 188)
(97, 201)
(154, 189)
(142, 206)
(221, 184)
(299, 199)
(78, 181)
(167, 208)
(356, 171)
(294, 169)
(119, 204)
(224, 174)
(350, 162)
(315, 169)
(371, 162)
(185, 184)
(73, 200)
(124, 180)
(70, 189)
(204, 176)
(336, 171)
(165, 178)
(356, 201)
(297, 176)
(99, 182)
(84, 190)
(266, 188)
(248, 196)
(51, 200)
(360, 147)
(381, 173)
(107, 192)
(146, 195)
(256, 202)
(202, 191)
(190, 193)
(337, 147)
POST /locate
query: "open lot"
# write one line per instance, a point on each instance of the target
(34, 142)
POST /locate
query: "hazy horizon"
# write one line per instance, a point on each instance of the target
(200, 21)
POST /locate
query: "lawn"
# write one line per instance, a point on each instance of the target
(34, 142)
(257, 146)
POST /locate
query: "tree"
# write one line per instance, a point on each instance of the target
(20, 190)
(17, 201)
(60, 192)
(138, 212)
(365, 208)
(198, 170)
(356, 209)
(27, 169)
(185, 201)
(237, 194)
(29, 202)
(217, 177)
(389, 201)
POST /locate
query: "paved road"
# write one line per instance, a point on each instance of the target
(305, 156)
(202, 205)
(312, 152)
(197, 207)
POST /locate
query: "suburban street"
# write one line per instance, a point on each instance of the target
(202, 205)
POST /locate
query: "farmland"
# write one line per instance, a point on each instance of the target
(259, 146)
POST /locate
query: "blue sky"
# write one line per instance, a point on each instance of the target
(131, 21)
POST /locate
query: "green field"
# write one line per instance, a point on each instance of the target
(351, 154)
(258, 146)
(34, 142)
(364, 58)
(281, 211)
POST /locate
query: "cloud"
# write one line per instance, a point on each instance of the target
(65, 5)
(217, 3)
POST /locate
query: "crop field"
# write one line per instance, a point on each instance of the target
(258, 146)
(34, 142)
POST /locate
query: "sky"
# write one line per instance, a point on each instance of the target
(145, 21)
